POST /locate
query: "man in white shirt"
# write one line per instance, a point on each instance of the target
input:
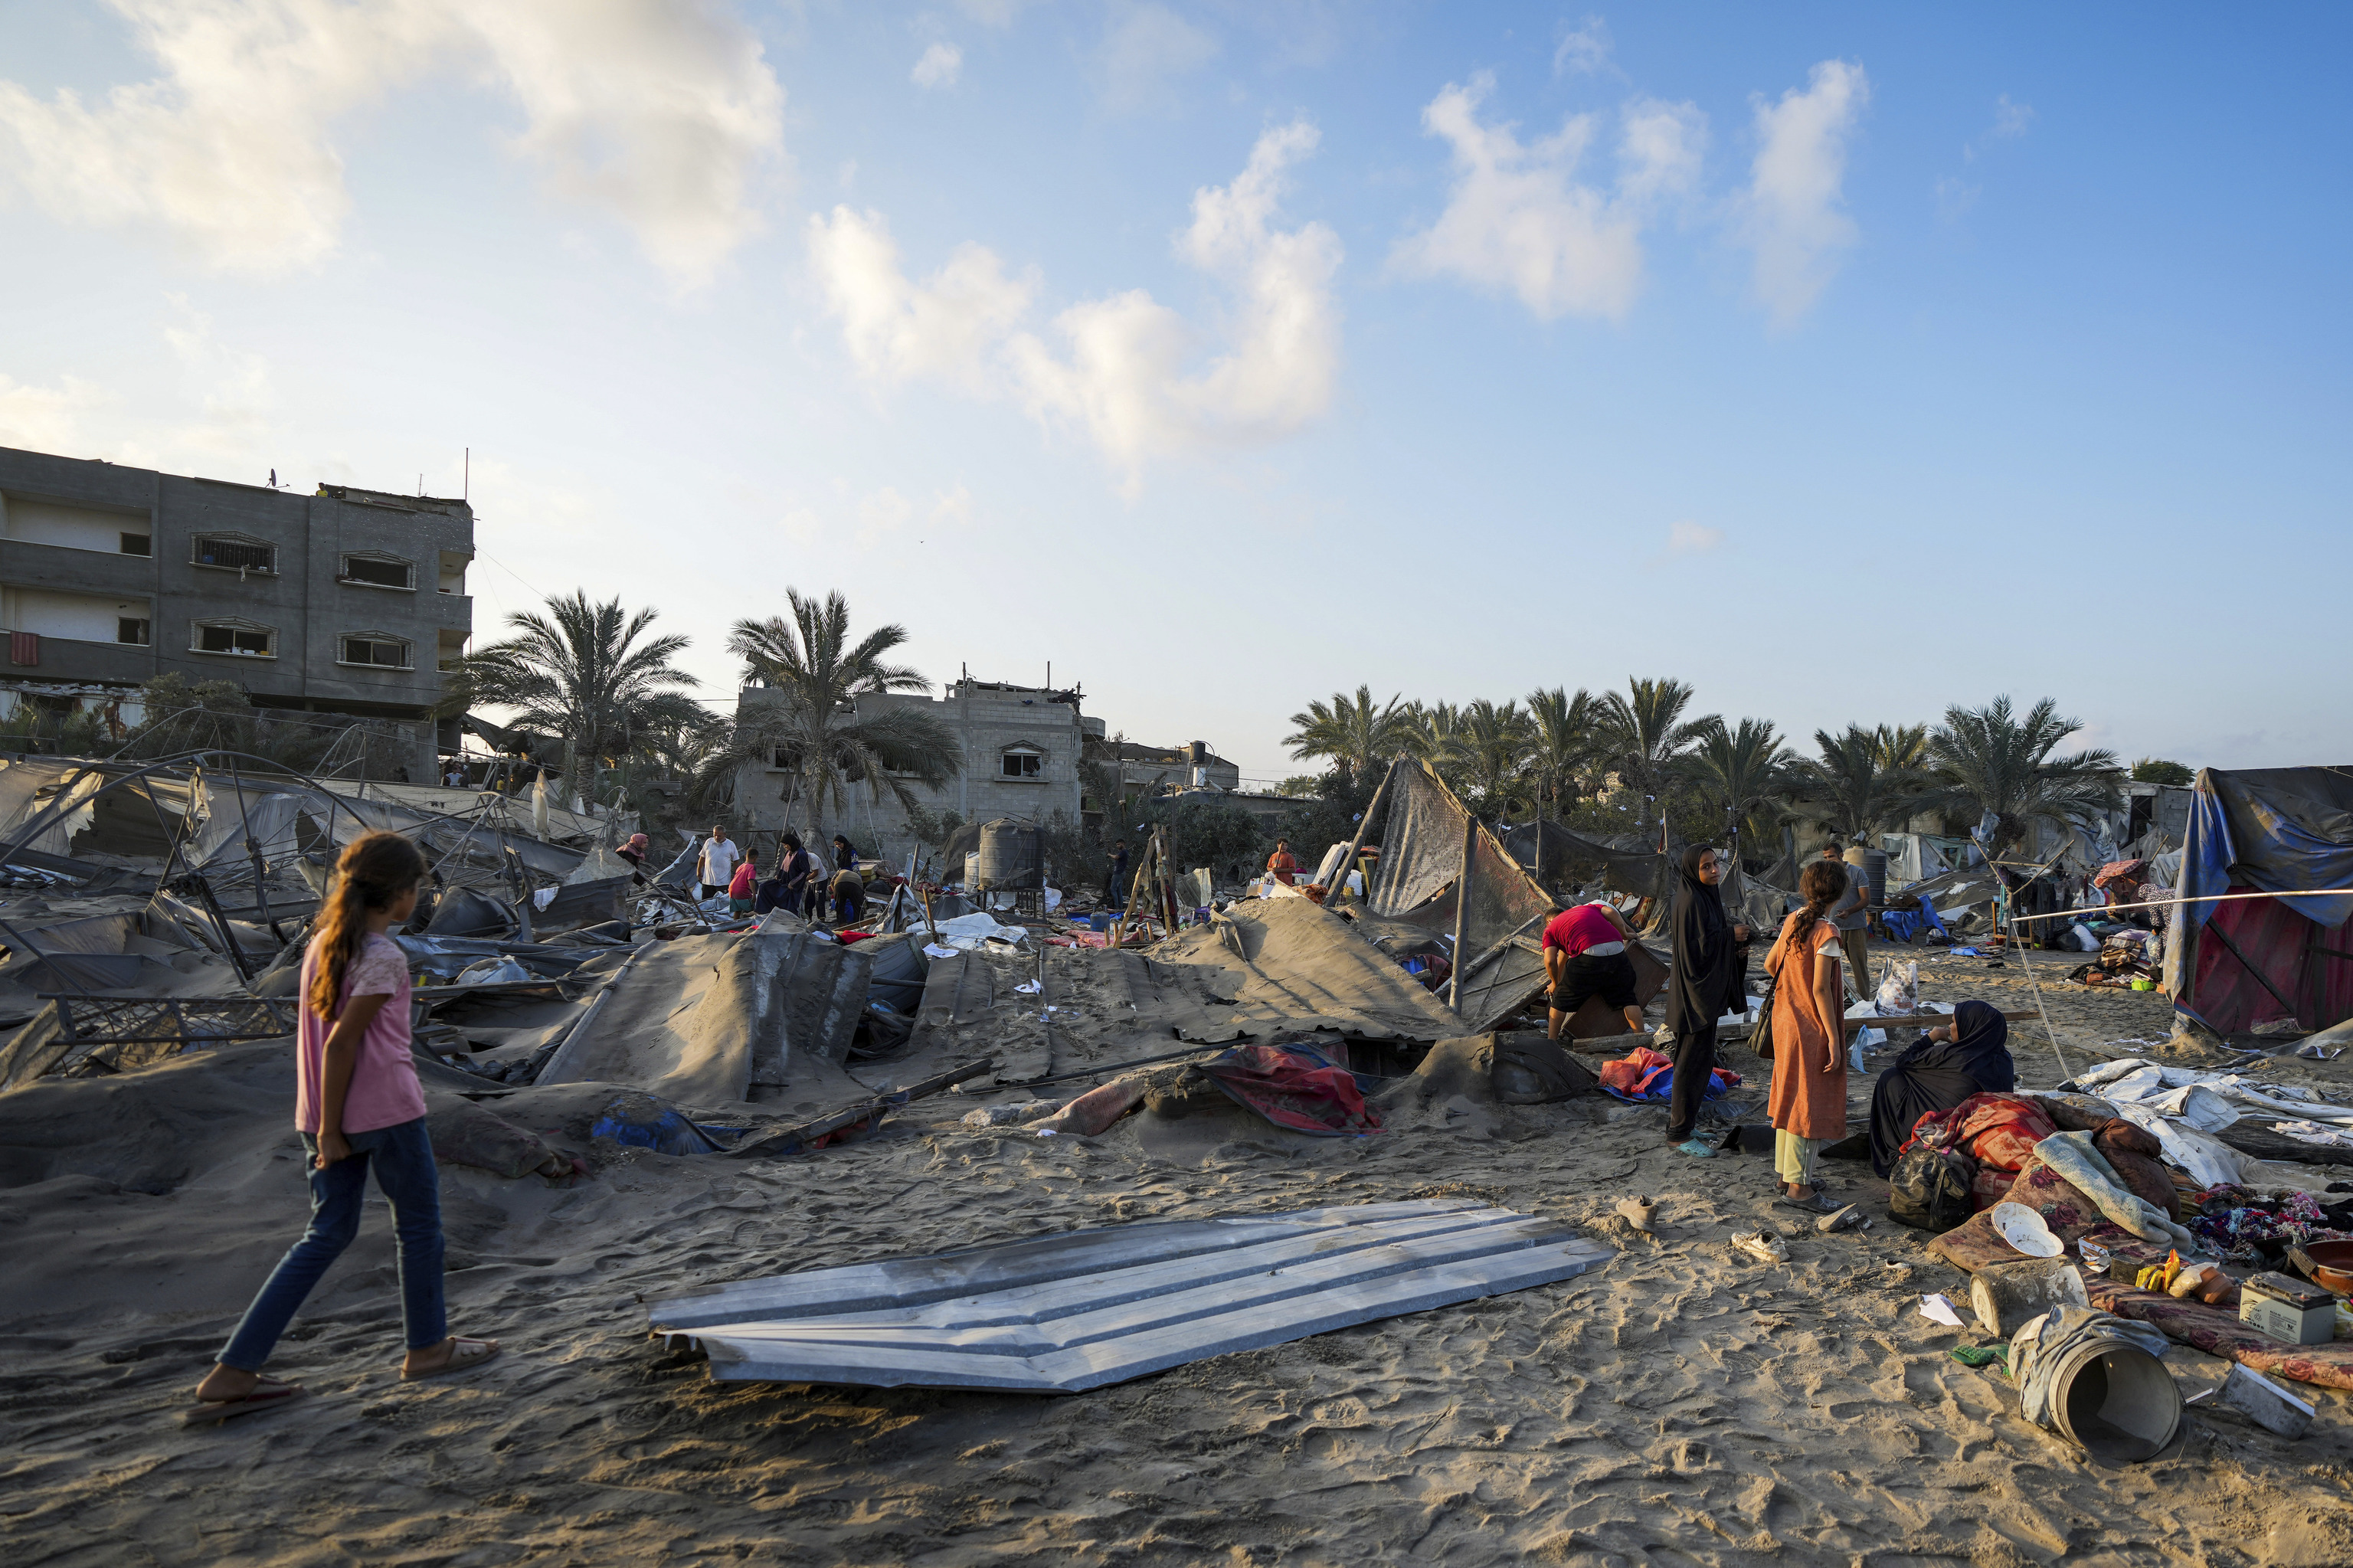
(717, 864)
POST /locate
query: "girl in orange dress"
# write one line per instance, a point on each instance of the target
(1808, 1104)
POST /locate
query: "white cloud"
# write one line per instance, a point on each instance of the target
(993, 13)
(945, 328)
(940, 66)
(1146, 47)
(1518, 219)
(883, 513)
(44, 418)
(656, 113)
(2010, 119)
(1693, 538)
(1124, 368)
(1585, 49)
(952, 508)
(1793, 215)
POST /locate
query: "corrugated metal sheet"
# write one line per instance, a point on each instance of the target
(1084, 1309)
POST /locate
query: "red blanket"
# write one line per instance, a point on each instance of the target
(1296, 1087)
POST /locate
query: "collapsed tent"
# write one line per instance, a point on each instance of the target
(2286, 830)
(1442, 870)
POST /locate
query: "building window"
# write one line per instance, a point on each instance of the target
(379, 571)
(241, 638)
(131, 629)
(1021, 762)
(230, 552)
(376, 649)
(137, 544)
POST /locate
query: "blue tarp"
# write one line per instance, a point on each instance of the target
(2276, 830)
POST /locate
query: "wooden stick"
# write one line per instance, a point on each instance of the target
(794, 1140)
(1461, 907)
(2169, 903)
(1364, 826)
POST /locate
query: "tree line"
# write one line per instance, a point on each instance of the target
(1622, 761)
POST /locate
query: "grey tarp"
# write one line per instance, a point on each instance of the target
(1260, 969)
(1500, 964)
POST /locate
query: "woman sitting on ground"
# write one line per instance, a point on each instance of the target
(1971, 1055)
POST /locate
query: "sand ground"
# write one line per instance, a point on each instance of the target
(1680, 1405)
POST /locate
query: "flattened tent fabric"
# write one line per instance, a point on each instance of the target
(2287, 831)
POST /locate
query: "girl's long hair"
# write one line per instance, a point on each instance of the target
(373, 871)
(1822, 884)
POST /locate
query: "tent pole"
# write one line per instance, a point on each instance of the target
(1364, 826)
(1461, 909)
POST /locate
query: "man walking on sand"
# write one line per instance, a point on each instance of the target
(717, 862)
(1849, 915)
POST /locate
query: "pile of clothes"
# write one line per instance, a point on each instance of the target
(2126, 954)
(1644, 1077)
(1996, 1134)
(2240, 1226)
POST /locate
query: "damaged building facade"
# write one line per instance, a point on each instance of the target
(347, 601)
(1022, 749)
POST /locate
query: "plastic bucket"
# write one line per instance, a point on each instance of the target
(2116, 1402)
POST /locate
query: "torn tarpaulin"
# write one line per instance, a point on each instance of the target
(1297, 1087)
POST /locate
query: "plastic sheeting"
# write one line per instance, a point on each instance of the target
(1422, 859)
(2284, 830)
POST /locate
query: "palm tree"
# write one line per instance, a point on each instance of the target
(1430, 730)
(579, 671)
(1900, 748)
(812, 728)
(1490, 748)
(1563, 735)
(1358, 738)
(1742, 767)
(1644, 734)
(1866, 793)
(1993, 760)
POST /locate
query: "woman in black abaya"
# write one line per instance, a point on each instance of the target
(1971, 1055)
(1711, 966)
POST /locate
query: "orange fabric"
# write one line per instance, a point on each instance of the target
(1805, 1100)
(1285, 866)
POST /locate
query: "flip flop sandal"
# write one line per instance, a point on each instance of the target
(465, 1355)
(1849, 1217)
(1817, 1204)
(270, 1393)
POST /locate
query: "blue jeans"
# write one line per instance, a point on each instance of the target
(403, 1158)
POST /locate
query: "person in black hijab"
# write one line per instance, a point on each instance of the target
(1971, 1055)
(1711, 966)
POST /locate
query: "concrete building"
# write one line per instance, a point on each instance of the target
(345, 601)
(1154, 769)
(1022, 747)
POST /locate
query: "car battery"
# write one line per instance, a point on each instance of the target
(2287, 1309)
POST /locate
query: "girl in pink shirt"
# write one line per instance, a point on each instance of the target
(357, 1104)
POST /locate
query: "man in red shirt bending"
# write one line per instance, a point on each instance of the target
(1584, 955)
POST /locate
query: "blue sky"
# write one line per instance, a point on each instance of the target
(1846, 362)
